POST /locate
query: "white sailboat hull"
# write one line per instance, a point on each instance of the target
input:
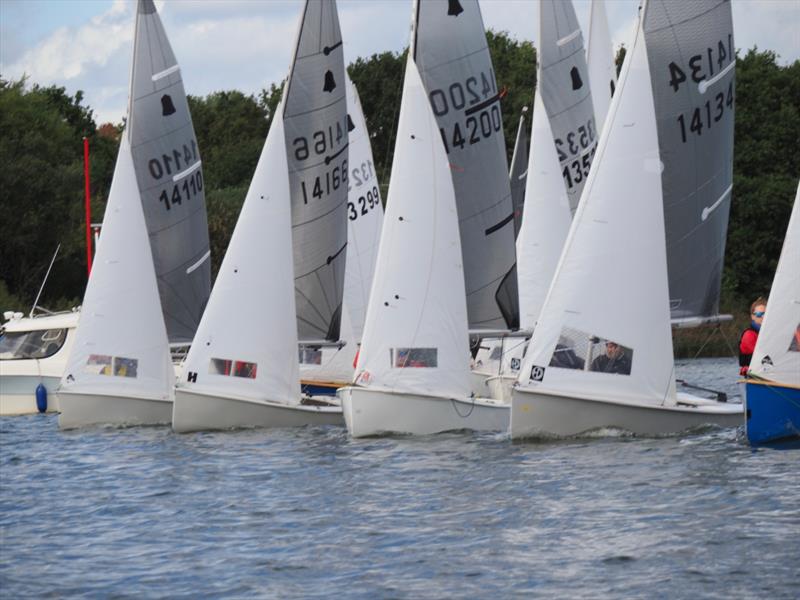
(370, 412)
(82, 409)
(195, 411)
(536, 414)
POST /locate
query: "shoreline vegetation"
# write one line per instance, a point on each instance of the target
(41, 132)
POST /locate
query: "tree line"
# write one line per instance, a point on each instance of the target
(41, 132)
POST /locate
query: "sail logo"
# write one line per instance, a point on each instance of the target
(454, 8)
(192, 377)
(577, 82)
(330, 83)
(167, 107)
(537, 373)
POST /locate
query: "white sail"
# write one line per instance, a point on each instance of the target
(611, 281)
(600, 60)
(121, 343)
(246, 343)
(365, 218)
(415, 336)
(545, 222)
(518, 172)
(777, 353)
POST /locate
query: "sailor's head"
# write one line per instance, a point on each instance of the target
(613, 349)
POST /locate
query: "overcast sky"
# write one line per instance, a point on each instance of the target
(246, 44)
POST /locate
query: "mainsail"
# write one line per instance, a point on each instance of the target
(450, 50)
(564, 82)
(316, 130)
(518, 174)
(170, 177)
(692, 63)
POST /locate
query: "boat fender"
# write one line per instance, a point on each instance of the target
(41, 398)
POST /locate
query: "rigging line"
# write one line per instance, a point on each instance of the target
(671, 378)
(458, 412)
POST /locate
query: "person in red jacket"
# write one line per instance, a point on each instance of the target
(747, 341)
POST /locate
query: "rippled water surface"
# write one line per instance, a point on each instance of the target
(143, 512)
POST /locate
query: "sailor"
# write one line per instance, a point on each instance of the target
(747, 341)
(613, 361)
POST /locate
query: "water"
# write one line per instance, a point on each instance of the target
(143, 512)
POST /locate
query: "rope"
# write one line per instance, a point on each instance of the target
(455, 408)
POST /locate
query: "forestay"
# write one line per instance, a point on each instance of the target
(315, 121)
(170, 177)
(600, 61)
(692, 62)
(415, 337)
(121, 343)
(777, 353)
(610, 284)
(546, 221)
(564, 83)
(450, 50)
(246, 345)
(518, 174)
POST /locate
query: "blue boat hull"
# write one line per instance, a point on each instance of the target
(320, 388)
(772, 412)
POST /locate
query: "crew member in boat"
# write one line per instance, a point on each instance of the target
(613, 361)
(747, 341)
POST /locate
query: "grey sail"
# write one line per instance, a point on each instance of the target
(518, 174)
(564, 85)
(450, 50)
(170, 177)
(692, 61)
(316, 129)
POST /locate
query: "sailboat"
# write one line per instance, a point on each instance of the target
(564, 142)
(243, 367)
(169, 174)
(149, 284)
(600, 60)
(772, 388)
(325, 369)
(412, 374)
(602, 353)
(119, 370)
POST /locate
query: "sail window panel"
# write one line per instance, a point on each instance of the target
(125, 367)
(403, 358)
(232, 368)
(31, 344)
(794, 344)
(310, 356)
(98, 364)
(246, 370)
(220, 366)
(582, 351)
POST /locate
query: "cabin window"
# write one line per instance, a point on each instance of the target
(402, 358)
(238, 368)
(310, 356)
(585, 352)
(497, 353)
(20, 345)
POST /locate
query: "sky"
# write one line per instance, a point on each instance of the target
(247, 44)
